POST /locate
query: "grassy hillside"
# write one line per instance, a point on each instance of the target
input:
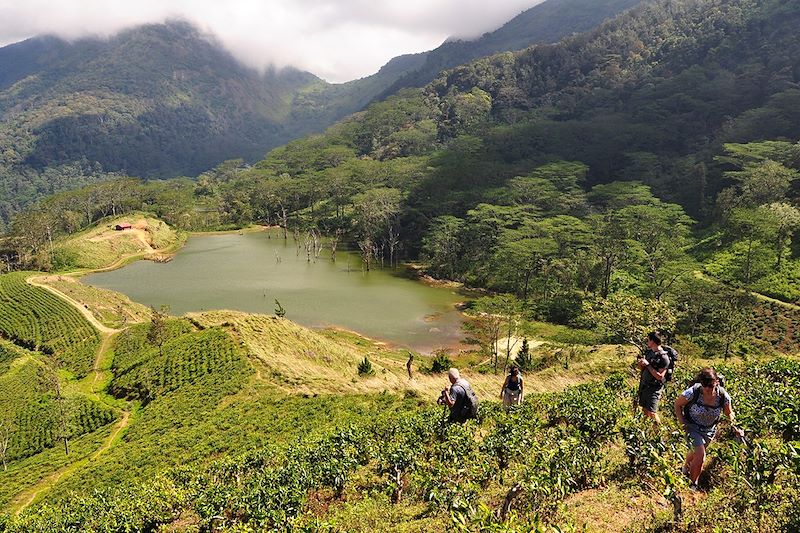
(112, 309)
(102, 246)
(252, 421)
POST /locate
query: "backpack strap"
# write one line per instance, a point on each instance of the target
(697, 392)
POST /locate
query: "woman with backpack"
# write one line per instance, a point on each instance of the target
(699, 409)
(511, 393)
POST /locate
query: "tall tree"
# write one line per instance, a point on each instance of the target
(6, 431)
(787, 222)
(373, 211)
(158, 332)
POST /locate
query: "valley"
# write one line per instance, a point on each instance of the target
(230, 299)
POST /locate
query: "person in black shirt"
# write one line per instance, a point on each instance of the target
(653, 366)
(512, 392)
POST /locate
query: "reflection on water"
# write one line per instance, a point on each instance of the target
(249, 272)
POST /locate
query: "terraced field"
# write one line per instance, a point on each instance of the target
(33, 318)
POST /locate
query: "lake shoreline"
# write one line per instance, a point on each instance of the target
(246, 272)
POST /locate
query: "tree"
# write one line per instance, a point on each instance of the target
(610, 246)
(619, 194)
(521, 255)
(658, 235)
(442, 247)
(787, 222)
(730, 319)
(524, 360)
(497, 317)
(365, 368)
(627, 318)
(552, 188)
(53, 384)
(763, 183)
(280, 312)
(751, 226)
(158, 332)
(373, 213)
(5, 439)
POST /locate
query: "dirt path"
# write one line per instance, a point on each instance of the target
(27, 497)
(98, 360)
(757, 295)
(85, 312)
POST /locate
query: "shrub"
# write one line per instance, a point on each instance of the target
(365, 367)
(524, 360)
(441, 362)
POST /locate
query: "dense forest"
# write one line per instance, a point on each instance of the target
(598, 167)
(167, 100)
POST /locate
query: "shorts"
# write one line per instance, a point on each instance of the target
(649, 397)
(512, 397)
(700, 435)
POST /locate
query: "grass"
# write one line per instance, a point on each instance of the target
(111, 308)
(101, 246)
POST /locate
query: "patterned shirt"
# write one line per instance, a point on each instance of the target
(702, 414)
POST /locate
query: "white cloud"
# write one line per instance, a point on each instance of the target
(335, 39)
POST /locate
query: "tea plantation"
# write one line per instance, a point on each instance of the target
(408, 470)
(34, 318)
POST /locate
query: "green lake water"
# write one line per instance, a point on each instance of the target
(248, 272)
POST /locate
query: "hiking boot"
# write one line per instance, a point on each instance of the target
(693, 487)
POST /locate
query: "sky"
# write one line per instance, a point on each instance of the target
(338, 40)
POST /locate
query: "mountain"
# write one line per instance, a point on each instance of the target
(159, 100)
(547, 22)
(167, 100)
(651, 95)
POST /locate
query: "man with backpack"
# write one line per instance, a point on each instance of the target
(653, 364)
(699, 409)
(460, 398)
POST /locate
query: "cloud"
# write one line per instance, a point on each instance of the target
(337, 40)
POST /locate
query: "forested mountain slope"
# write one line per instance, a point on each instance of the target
(158, 100)
(166, 100)
(546, 22)
(647, 96)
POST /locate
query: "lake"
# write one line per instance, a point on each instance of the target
(249, 272)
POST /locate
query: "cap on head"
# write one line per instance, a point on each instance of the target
(453, 374)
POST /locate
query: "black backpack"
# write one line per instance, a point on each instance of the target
(673, 358)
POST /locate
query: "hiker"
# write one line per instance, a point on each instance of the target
(653, 365)
(699, 409)
(459, 397)
(511, 393)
